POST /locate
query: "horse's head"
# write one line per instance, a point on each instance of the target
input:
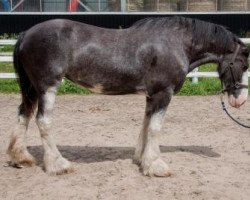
(234, 75)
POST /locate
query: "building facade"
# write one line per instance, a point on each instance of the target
(18, 15)
(125, 5)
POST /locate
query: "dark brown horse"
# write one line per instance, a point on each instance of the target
(153, 56)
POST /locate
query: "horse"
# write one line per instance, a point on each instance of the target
(152, 57)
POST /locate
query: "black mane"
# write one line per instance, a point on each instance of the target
(204, 33)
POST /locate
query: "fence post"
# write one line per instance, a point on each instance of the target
(195, 77)
(123, 6)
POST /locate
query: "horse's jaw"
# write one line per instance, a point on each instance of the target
(242, 95)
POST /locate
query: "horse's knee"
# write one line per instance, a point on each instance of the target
(43, 123)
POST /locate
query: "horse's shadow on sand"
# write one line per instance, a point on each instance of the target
(87, 154)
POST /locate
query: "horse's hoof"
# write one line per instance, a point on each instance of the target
(158, 168)
(67, 170)
(59, 166)
(21, 158)
(136, 160)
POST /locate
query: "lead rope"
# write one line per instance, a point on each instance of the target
(224, 108)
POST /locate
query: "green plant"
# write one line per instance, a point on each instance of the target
(7, 48)
(206, 86)
(6, 67)
(67, 87)
(9, 36)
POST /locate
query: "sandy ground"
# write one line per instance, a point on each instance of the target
(209, 155)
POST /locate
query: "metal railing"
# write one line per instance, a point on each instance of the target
(195, 74)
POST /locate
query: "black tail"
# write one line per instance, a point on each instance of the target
(29, 95)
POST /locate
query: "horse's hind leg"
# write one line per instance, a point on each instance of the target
(17, 149)
(147, 153)
(54, 163)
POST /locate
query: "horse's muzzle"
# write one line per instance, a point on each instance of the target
(240, 100)
(242, 90)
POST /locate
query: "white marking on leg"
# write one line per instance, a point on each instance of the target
(50, 98)
(141, 141)
(53, 160)
(17, 149)
(22, 120)
(152, 150)
(153, 124)
(156, 121)
(151, 162)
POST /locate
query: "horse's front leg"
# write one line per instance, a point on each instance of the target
(147, 153)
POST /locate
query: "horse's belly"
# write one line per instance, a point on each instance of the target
(109, 84)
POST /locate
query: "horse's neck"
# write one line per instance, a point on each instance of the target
(208, 53)
(206, 58)
(202, 55)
